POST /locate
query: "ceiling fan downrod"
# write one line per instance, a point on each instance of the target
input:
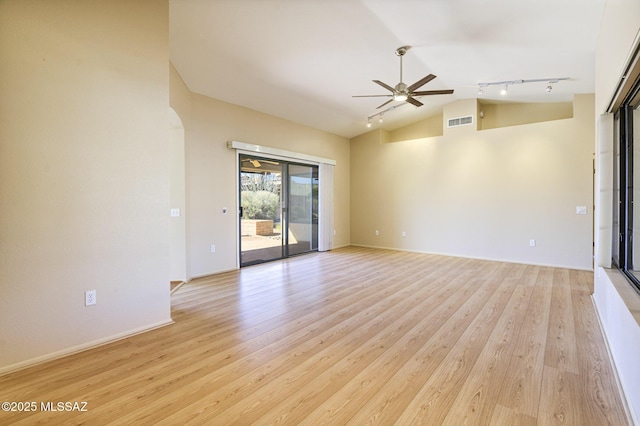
(400, 51)
(401, 93)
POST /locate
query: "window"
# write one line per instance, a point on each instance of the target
(626, 185)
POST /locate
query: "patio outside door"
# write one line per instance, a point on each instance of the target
(278, 209)
(302, 235)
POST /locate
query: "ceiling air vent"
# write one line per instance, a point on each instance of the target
(460, 121)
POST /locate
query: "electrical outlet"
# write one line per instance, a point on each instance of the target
(532, 243)
(377, 232)
(212, 248)
(404, 234)
(89, 298)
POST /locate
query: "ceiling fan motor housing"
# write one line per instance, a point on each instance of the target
(401, 93)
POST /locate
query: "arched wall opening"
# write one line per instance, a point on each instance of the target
(177, 185)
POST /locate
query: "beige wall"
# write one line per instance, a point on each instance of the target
(480, 194)
(212, 175)
(429, 127)
(177, 186)
(84, 95)
(515, 114)
(617, 304)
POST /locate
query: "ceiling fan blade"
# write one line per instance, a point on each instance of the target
(390, 100)
(432, 92)
(421, 82)
(414, 101)
(386, 86)
(370, 96)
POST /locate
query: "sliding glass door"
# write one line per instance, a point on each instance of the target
(302, 235)
(278, 209)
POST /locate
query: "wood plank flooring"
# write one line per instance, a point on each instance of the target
(354, 336)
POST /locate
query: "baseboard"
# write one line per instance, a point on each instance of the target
(491, 259)
(210, 274)
(340, 246)
(80, 348)
(177, 287)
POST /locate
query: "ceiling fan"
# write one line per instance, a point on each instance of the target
(404, 93)
(257, 163)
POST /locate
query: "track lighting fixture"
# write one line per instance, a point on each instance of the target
(481, 87)
(508, 83)
(381, 113)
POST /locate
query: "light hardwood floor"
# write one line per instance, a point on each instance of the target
(352, 336)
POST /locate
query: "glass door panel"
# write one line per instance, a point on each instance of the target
(261, 204)
(303, 209)
(278, 209)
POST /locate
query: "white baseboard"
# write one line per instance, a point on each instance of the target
(80, 348)
(491, 259)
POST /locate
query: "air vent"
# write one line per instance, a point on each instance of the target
(460, 121)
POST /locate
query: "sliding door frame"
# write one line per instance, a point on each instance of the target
(325, 196)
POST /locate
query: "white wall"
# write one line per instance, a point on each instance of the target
(84, 183)
(480, 194)
(618, 306)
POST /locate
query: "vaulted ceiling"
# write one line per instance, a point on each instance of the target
(303, 60)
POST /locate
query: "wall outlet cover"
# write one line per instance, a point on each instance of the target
(89, 298)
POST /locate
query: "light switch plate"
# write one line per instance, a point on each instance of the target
(581, 209)
(175, 212)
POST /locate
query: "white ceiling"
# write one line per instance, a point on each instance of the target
(302, 60)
